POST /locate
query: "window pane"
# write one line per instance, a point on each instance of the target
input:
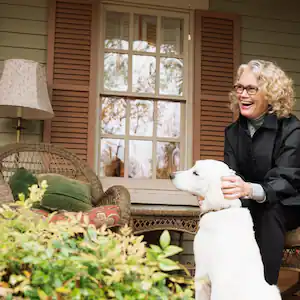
(144, 33)
(141, 118)
(115, 72)
(171, 36)
(112, 158)
(140, 159)
(143, 73)
(113, 115)
(168, 119)
(168, 159)
(171, 76)
(117, 30)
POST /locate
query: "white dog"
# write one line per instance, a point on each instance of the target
(227, 258)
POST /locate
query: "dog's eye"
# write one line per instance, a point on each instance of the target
(195, 173)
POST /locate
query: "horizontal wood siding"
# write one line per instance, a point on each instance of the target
(270, 30)
(23, 34)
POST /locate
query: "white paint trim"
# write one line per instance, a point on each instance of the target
(143, 95)
(189, 104)
(143, 9)
(155, 184)
(170, 5)
(139, 184)
(143, 192)
(162, 197)
(101, 31)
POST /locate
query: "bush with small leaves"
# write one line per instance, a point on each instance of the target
(70, 260)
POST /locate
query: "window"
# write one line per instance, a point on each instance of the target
(143, 93)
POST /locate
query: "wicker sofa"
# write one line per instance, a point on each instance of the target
(44, 158)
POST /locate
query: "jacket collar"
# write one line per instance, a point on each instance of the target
(270, 122)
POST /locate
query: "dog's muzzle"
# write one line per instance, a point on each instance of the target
(172, 176)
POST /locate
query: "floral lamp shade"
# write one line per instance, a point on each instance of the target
(23, 91)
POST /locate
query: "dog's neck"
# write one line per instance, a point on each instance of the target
(213, 210)
(236, 203)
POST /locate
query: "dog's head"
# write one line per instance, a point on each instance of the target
(204, 181)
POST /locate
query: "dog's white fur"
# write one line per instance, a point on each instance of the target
(227, 258)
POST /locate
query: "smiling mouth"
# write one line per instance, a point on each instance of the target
(246, 104)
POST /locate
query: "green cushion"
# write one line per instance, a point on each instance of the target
(20, 181)
(64, 193)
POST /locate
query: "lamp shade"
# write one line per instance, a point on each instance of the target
(23, 91)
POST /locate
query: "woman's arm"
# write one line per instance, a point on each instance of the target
(283, 181)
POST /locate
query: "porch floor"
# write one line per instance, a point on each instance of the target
(287, 279)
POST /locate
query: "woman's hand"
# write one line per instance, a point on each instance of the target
(234, 187)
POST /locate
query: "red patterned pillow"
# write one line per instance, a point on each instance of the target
(98, 216)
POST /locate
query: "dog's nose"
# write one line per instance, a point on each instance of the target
(172, 176)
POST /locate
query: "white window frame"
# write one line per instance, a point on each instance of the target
(187, 110)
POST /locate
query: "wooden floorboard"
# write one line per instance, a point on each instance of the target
(287, 279)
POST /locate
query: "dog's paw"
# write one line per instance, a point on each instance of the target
(203, 288)
(203, 279)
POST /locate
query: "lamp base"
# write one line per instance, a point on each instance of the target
(19, 128)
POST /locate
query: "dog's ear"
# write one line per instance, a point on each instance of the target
(214, 195)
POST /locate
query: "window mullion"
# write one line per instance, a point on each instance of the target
(126, 142)
(182, 161)
(142, 96)
(157, 85)
(158, 41)
(154, 147)
(131, 34)
(128, 106)
(100, 88)
(185, 55)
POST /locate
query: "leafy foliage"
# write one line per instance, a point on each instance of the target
(68, 260)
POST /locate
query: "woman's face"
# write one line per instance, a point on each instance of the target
(251, 100)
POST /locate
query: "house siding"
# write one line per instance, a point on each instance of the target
(23, 34)
(270, 30)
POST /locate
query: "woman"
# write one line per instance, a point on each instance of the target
(263, 147)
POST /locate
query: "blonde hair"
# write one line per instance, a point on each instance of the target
(273, 82)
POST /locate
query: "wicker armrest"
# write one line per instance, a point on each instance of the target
(120, 196)
(6, 195)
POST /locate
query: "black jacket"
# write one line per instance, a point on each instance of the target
(271, 157)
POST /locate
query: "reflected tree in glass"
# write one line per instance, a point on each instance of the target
(167, 159)
(171, 76)
(112, 157)
(168, 119)
(113, 115)
(116, 30)
(116, 72)
(140, 159)
(141, 118)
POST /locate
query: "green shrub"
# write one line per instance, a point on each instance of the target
(68, 260)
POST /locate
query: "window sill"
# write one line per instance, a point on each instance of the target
(140, 184)
(145, 191)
